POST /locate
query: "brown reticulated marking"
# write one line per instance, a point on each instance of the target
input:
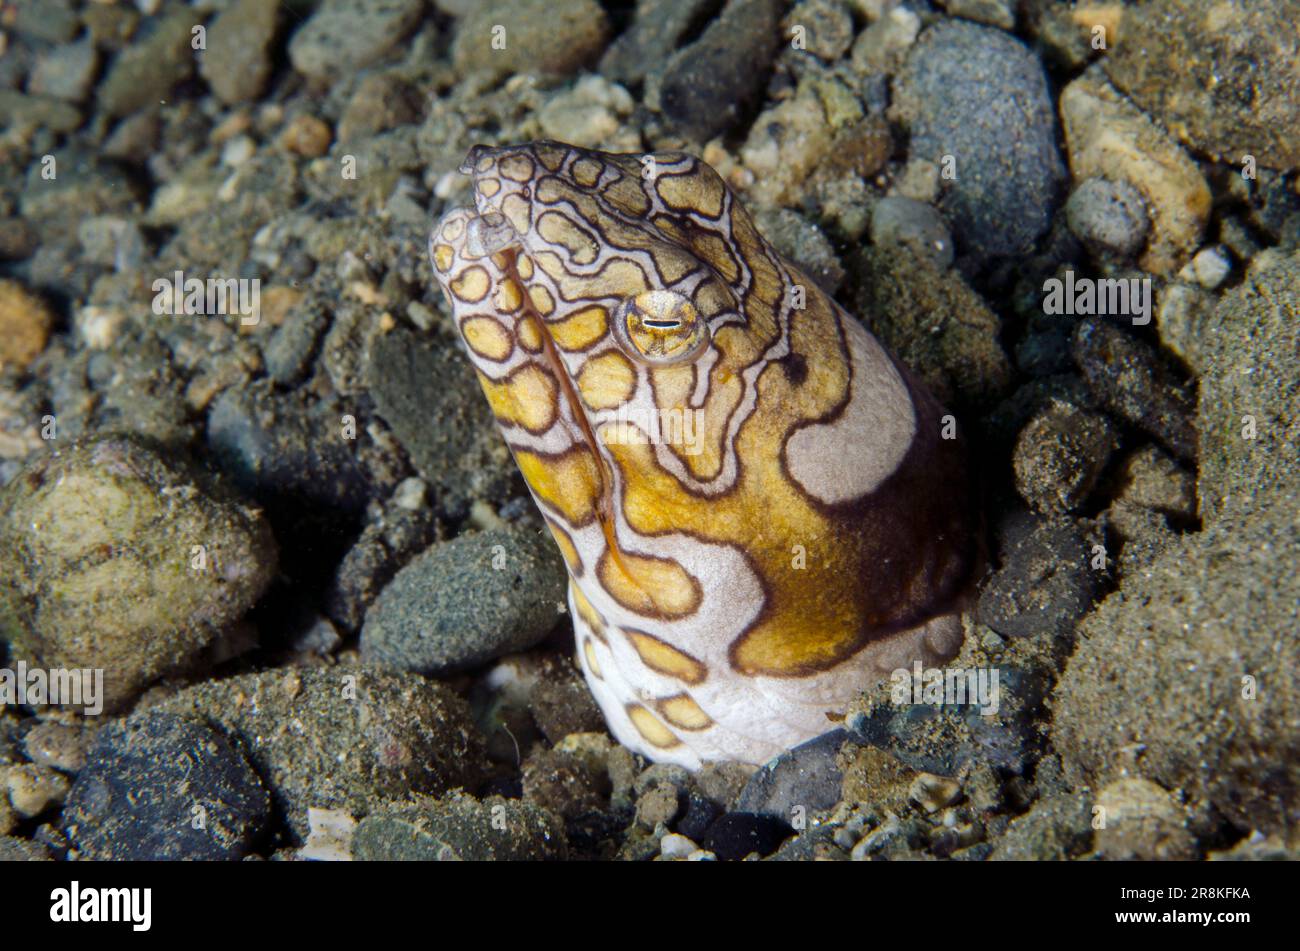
(620, 277)
(552, 265)
(542, 300)
(453, 229)
(552, 156)
(648, 725)
(589, 651)
(525, 268)
(606, 381)
(581, 329)
(567, 548)
(718, 255)
(484, 164)
(588, 613)
(528, 398)
(487, 338)
(471, 285)
(673, 264)
(488, 187)
(529, 334)
(684, 713)
(443, 255)
(661, 656)
(518, 212)
(586, 172)
(517, 168)
(698, 191)
(625, 193)
(558, 229)
(569, 483)
(654, 586)
(509, 296)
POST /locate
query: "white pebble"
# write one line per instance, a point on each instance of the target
(409, 494)
(676, 846)
(1212, 267)
(237, 151)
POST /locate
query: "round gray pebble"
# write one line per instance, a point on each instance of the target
(977, 103)
(914, 225)
(467, 601)
(1110, 218)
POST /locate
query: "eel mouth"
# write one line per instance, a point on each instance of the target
(568, 390)
(491, 233)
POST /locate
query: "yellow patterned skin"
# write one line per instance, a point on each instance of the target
(758, 509)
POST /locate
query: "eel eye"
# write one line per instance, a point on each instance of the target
(659, 328)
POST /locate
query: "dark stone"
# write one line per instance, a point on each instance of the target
(1045, 584)
(1128, 378)
(737, 834)
(806, 776)
(700, 813)
(429, 397)
(657, 29)
(149, 781)
(710, 85)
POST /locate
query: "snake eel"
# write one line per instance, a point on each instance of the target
(758, 507)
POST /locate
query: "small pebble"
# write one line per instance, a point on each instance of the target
(896, 220)
(566, 784)
(411, 494)
(138, 563)
(709, 84)
(1046, 582)
(827, 27)
(658, 805)
(978, 105)
(1110, 218)
(1142, 822)
(342, 36)
(549, 37)
(306, 135)
(25, 325)
(1210, 267)
(807, 777)
(932, 792)
(56, 745)
(674, 846)
(458, 604)
(237, 61)
(1059, 456)
(238, 150)
(33, 789)
(329, 837)
(459, 827)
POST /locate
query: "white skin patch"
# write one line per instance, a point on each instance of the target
(851, 456)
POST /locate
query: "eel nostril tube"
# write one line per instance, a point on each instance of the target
(472, 157)
(488, 234)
